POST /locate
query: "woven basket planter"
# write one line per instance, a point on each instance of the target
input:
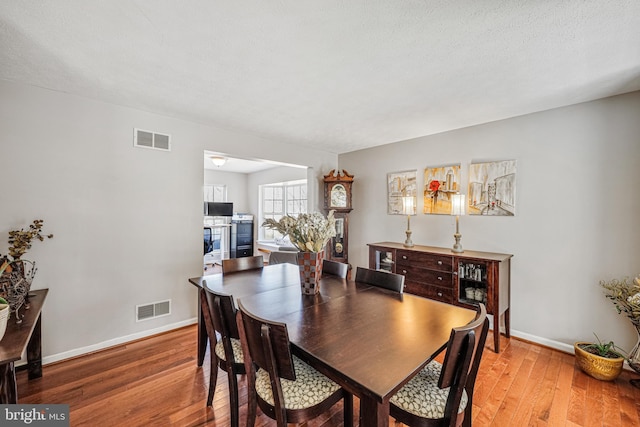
(598, 367)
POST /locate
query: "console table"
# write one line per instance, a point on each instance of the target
(26, 334)
(464, 279)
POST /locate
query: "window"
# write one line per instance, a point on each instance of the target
(215, 193)
(278, 200)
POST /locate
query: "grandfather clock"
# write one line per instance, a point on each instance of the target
(337, 197)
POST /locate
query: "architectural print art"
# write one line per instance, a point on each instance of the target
(399, 185)
(492, 188)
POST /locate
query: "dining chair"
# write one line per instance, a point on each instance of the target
(442, 394)
(240, 264)
(225, 349)
(281, 257)
(287, 389)
(335, 268)
(380, 278)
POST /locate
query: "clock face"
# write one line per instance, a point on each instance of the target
(338, 196)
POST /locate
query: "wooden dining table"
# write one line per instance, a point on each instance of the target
(369, 340)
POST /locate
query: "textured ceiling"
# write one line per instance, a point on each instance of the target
(343, 75)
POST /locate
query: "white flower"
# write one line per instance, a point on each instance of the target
(634, 299)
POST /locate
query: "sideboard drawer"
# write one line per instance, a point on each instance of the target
(431, 277)
(436, 262)
(431, 292)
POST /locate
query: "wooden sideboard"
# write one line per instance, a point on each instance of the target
(462, 279)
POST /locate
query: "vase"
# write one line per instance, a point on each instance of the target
(310, 265)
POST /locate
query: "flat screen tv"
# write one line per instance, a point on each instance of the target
(219, 209)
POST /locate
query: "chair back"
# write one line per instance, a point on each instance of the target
(268, 344)
(335, 268)
(381, 279)
(240, 264)
(462, 360)
(219, 314)
(282, 257)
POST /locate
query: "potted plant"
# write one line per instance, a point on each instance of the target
(602, 361)
(16, 274)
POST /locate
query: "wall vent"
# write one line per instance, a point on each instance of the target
(148, 139)
(153, 310)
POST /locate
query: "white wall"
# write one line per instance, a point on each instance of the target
(578, 204)
(127, 221)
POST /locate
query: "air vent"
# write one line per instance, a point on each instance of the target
(148, 139)
(153, 310)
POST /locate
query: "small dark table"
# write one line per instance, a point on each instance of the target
(27, 334)
(369, 340)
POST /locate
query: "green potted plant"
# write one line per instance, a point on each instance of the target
(602, 361)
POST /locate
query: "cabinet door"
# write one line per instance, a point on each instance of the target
(381, 258)
(475, 279)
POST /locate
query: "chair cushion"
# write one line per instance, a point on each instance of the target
(421, 396)
(309, 388)
(238, 357)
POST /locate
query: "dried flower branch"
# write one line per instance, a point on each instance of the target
(308, 232)
(625, 295)
(20, 240)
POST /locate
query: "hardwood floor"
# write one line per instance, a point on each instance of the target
(155, 382)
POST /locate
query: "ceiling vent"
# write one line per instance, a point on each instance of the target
(148, 139)
(153, 310)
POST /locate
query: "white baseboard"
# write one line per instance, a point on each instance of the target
(116, 341)
(557, 345)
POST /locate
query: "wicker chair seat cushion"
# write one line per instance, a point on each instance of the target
(309, 388)
(421, 396)
(238, 356)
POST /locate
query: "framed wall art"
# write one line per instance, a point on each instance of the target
(399, 185)
(439, 184)
(492, 188)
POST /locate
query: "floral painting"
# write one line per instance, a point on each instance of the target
(439, 184)
(492, 188)
(399, 185)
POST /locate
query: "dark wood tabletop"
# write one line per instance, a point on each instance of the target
(369, 340)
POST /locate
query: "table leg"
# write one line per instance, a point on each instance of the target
(34, 351)
(8, 384)
(202, 334)
(507, 323)
(496, 333)
(373, 413)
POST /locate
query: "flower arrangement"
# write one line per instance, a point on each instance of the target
(625, 295)
(308, 232)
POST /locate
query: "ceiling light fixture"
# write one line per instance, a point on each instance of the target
(218, 161)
